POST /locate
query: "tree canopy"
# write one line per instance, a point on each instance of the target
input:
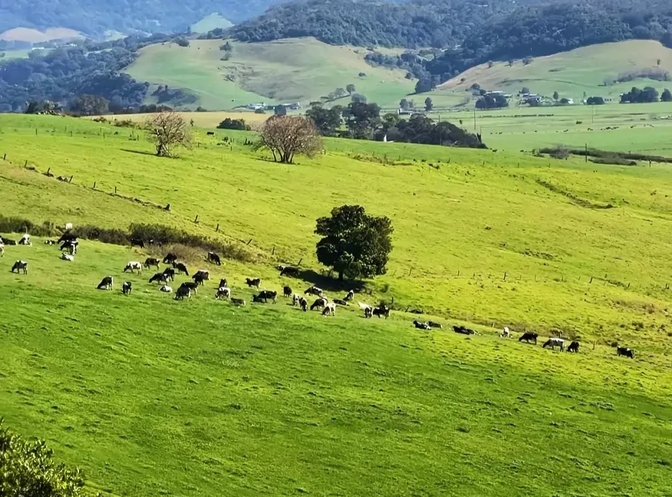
(167, 131)
(27, 469)
(288, 136)
(354, 244)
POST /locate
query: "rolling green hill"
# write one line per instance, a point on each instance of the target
(199, 398)
(572, 74)
(298, 70)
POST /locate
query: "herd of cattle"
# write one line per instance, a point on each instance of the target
(69, 246)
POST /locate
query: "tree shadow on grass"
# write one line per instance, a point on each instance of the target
(139, 152)
(329, 283)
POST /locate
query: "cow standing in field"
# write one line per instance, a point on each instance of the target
(25, 240)
(71, 246)
(573, 347)
(214, 258)
(266, 295)
(180, 267)
(289, 271)
(223, 293)
(253, 282)
(313, 290)
(201, 276)
(529, 337)
(133, 266)
(127, 288)
(170, 258)
(160, 278)
(107, 283)
(20, 266)
(329, 310)
(287, 291)
(319, 303)
(169, 272)
(506, 333)
(381, 311)
(182, 293)
(349, 296)
(626, 352)
(555, 342)
(152, 262)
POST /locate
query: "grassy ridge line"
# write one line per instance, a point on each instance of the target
(296, 70)
(267, 399)
(458, 229)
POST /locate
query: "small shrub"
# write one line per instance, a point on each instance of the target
(19, 225)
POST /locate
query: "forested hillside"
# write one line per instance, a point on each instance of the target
(544, 30)
(94, 17)
(414, 23)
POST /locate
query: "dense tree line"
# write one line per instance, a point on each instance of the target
(414, 23)
(95, 17)
(640, 96)
(62, 75)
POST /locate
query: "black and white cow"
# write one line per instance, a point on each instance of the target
(20, 266)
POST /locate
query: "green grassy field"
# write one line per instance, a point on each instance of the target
(152, 396)
(297, 70)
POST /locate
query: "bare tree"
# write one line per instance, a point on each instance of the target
(286, 136)
(166, 131)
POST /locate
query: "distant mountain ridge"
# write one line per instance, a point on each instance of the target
(95, 17)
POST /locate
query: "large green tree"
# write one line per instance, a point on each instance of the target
(28, 470)
(354, 244)
(361, 119)
(327, 121)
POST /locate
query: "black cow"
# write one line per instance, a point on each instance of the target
(67, 237)
(463, 330)
(290, 271)
(266, 295)
(169, 258)
(223, 283)
(151, 261)
(169, 272)
(201, 276)
(529, 337)
(71, 246)
(160, 278)
(625, 351)
(432, 324)
(190, 285)
(381, 311)
(321, 302)
(253, 282)
(573, 347)
(287, 291)
(106, 284)
(304, 304)
(421, 326)
(214, 258)
(183, 292)
(139, 242)
(313, 290)
(127, 288)
(180, 267)
(340, 302)
(7, 241)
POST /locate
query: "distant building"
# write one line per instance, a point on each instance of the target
(280, 110)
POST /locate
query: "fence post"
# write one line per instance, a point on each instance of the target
(94, 185)
(115, 190)
(196, 219)
(217, 228)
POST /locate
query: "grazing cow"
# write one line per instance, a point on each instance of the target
(573, 347)
(329, 310)
(50, 242)
(253, 282)
(506, 333)
(266, 295)
(625, 351)
(368, 312)
(238, 302)
(180, 267)
(151, 262)
(296, 298)
(201, 276)
(223, 292)
(303, 303)
(223, 283)
(25, 240)
(555, 342)
(133, 266)
(349, 296)
(432, 324)
(190, 285)
(2, 249)
(20, 266)
(67, 257)
(183, 292)
(463, 330)
(71, 246)
(289, 271)
(137, 242)
(214, 258)
(169, 258)
(127, 288)
(166, 289)
(421, 326)
(106, 284)
(340, 302)
(319, 303)
(287, 291)
(169, 272)
(7, 241)
(529, 337)
(160, 278)
(313, 290)
(381, 311)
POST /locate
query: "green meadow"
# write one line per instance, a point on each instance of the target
(199, 398)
